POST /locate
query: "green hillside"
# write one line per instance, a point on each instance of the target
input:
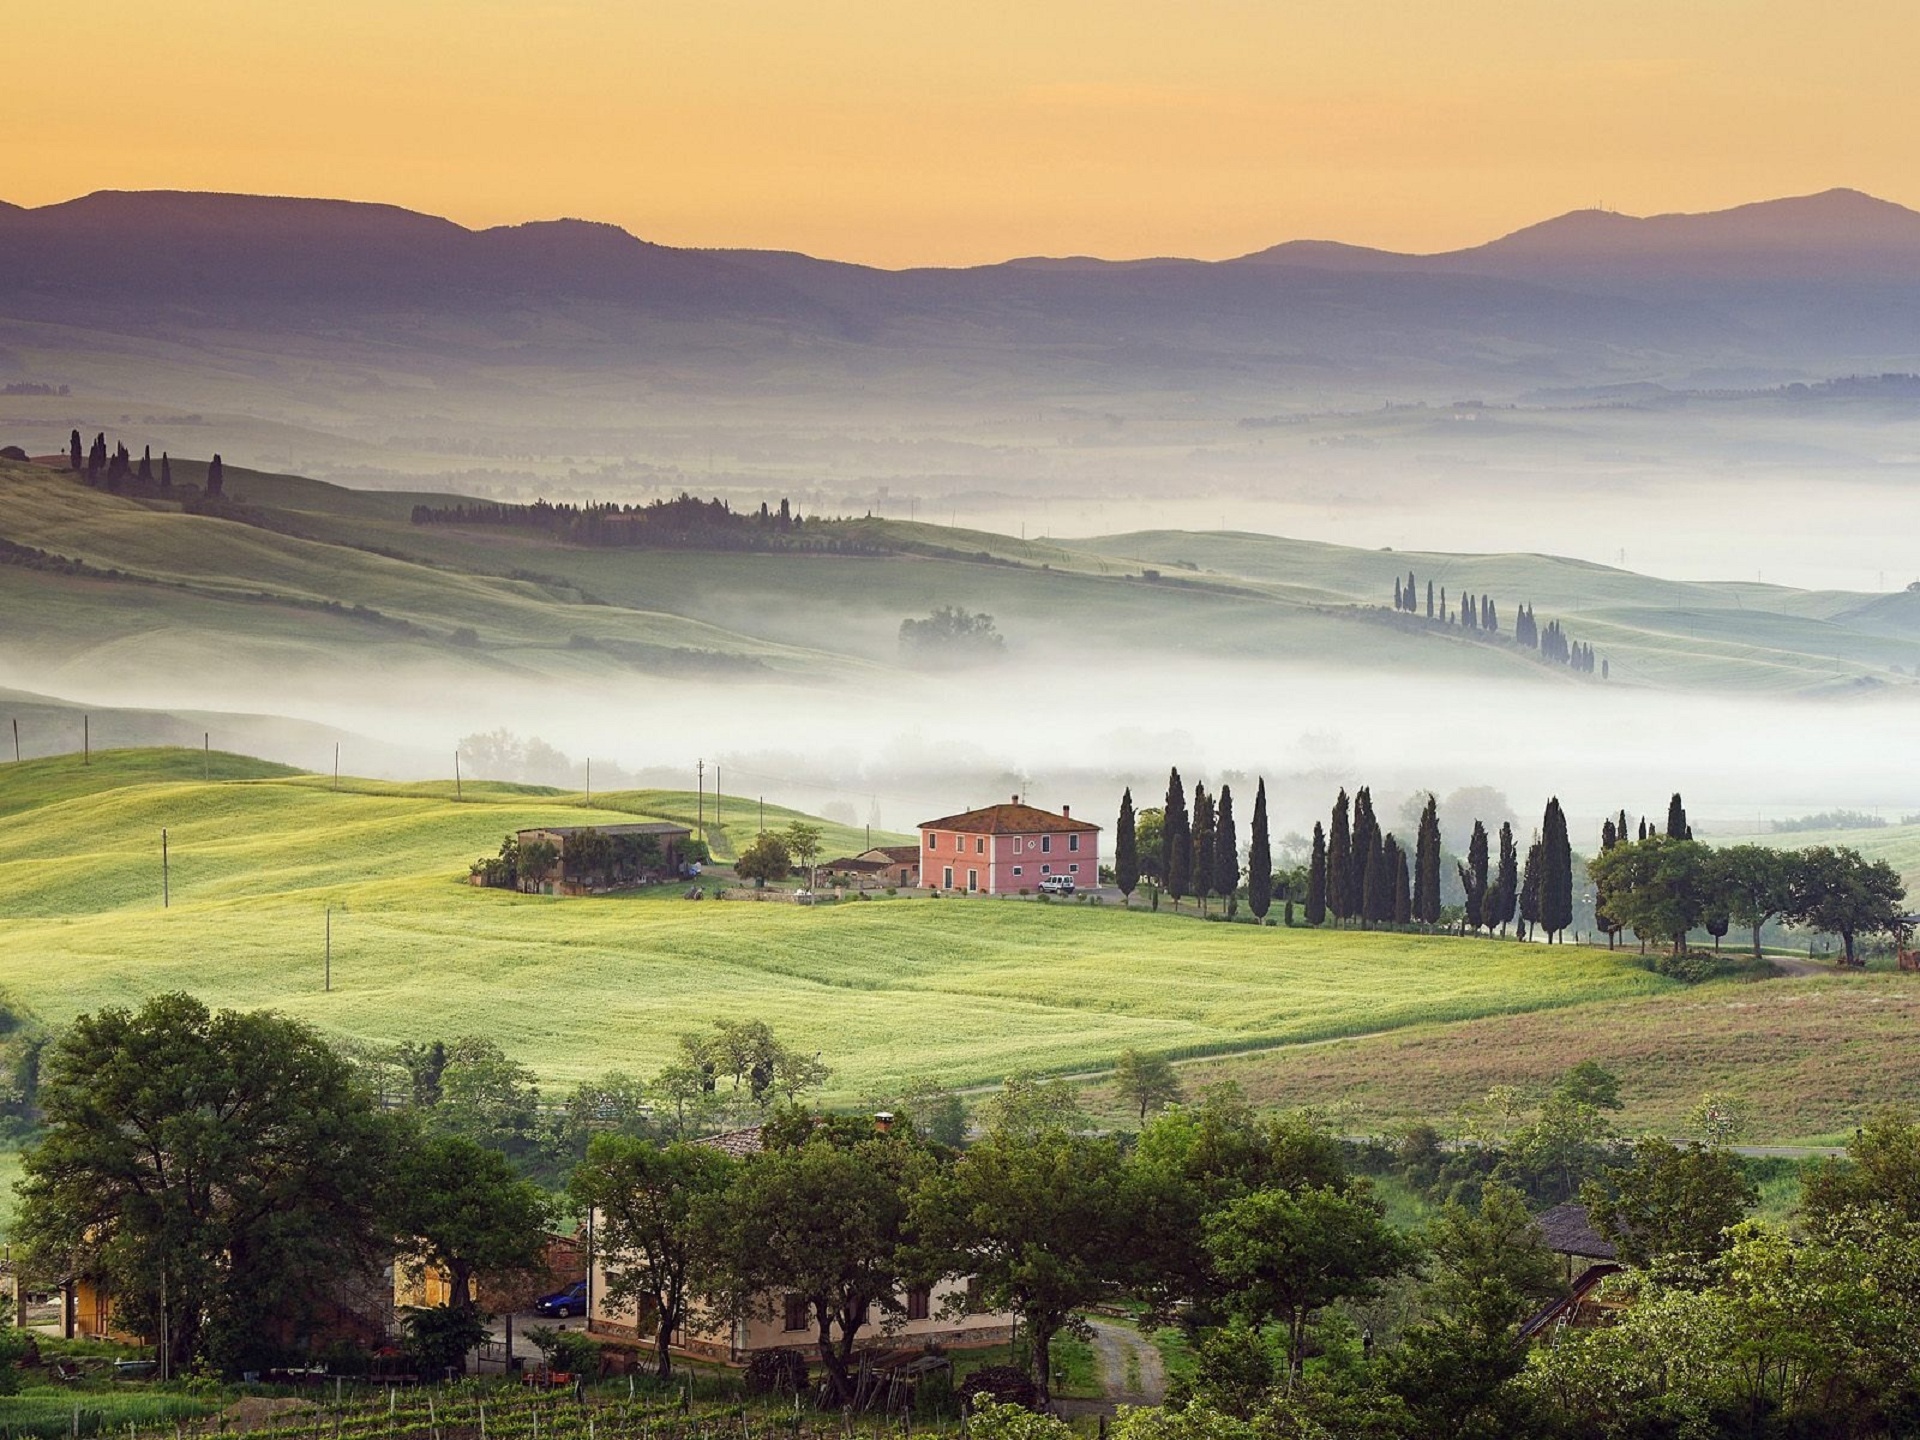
(306, 574)
(889, 990)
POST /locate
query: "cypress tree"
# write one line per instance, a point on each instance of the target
(1677, 827)
(1317, 878)
(1498, 906)
(75, 461)
(1426, 865)
(1609, 837)
(1530, 890)
(1429, 599)
(217, 477)
(146, 464)
(1376, 895)
(1473, 877)
(1200, 875)
(1259, 858)
(1556, 872)
(1402, 886)
(1176, 856)
(1126, 849)
(1399, 598)
(1365, 852)
(1411, 593)
(1340, 861)
(1226, 850)
(166, 472)
(1643, 827)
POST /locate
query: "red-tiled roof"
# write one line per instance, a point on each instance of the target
(896, 854)
(1009, 819)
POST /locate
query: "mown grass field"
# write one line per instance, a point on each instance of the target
(1811, 1058)
(888, 990)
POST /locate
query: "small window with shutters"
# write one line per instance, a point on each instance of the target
(919, 1303)
(795, 1317)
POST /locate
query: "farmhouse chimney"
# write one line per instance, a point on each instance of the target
(1016, 799)
(1066, 812)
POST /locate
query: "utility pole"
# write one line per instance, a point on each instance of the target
(327, 985)
(763, 814)
(206, 754)
(16, 739)
(86, 740)
(700, 797)
(589, 779)
(166, 884)
(716, 795)
(336, 764)
(456, 777)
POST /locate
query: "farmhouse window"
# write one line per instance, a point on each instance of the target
(979, 844)
(919, 1303)
(795, 1317)
(933, 842)
(1046, 869)
(946, 878)
(1073, 842)
(973, 879)
(1046, 844)
(976, 1293)
(1074, 869)
(1016, 869)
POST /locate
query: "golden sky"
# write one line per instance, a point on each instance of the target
(902, 132)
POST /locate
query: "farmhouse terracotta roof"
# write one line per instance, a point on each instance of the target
(1009, 819)
(894, 854)
(854, 864)
(1568, 1230)
(737, 1143)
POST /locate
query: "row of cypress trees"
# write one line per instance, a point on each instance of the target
(99, 465)
(1358, 873)
(1199, 851)
(1479, 613)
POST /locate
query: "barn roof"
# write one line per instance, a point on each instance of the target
(660, 828)
(737, 1143)
(1568, 1230)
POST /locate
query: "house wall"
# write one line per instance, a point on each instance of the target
(737, 1342)
(1008, 864)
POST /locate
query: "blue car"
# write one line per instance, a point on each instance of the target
(562, 1303)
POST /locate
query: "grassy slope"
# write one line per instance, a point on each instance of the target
(1279, 599)
(889, 990)
(1661, 632)
(1812, 1057)
(192, 577)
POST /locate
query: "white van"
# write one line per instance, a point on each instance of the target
(1057, 885)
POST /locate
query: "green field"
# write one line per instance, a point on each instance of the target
(889, 990)
(332, 577)
(1812, 1058)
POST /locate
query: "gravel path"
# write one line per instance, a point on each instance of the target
(1130, 1368)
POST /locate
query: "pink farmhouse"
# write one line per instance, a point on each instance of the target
(1005, 849)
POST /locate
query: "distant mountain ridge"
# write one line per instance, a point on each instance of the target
(1814, 285)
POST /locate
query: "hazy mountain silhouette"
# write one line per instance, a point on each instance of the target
(1827, 283)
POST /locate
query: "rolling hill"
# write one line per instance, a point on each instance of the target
(890, 990)
(305, 580)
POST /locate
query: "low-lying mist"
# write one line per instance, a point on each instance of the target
(898, 747)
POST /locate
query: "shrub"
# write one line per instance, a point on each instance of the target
(998, 1385)
(1000, 1420)
(777, 1372)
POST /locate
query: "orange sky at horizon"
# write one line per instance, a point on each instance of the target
(900, 134)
